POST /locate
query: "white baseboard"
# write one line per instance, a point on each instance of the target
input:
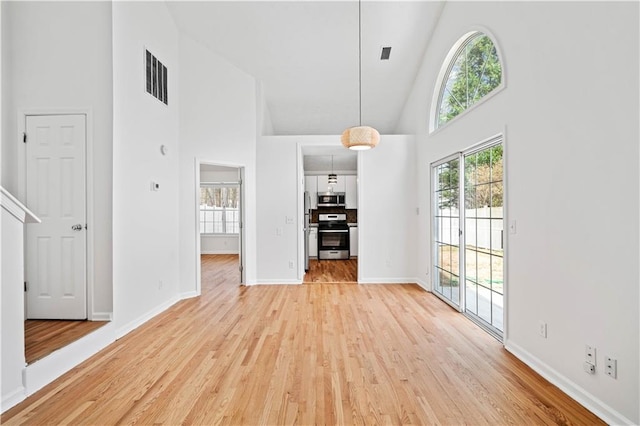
(46, 370)
(590, 402)
(42, 372)
(411, 280)
(278, 282)
(102, 316)
(219, 252)
(12, 399)
(126, 329)
(189, 295)
(422, 283)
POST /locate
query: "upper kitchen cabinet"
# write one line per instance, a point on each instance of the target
(323, 184)
(311, 186)
(351, 192)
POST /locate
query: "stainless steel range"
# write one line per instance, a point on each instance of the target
(333, 236)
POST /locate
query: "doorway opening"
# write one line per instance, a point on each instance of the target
(329, 194)
(468, 242)
(220, 218)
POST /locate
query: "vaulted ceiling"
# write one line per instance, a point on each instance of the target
(305, 54)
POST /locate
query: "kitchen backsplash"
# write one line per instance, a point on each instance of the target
(352, 214)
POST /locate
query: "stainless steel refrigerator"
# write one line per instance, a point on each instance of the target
(307, 219)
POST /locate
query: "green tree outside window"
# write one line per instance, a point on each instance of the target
(475, 72)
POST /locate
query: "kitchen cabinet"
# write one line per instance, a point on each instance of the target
(311, 186)
(351, 191)
(313, 242)
(323, 184)
(353, 241)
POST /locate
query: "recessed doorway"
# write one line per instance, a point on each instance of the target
(220, 215)
(330, 214)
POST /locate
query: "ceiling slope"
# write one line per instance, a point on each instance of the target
(305, 54)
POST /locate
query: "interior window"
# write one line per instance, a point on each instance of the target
(219, 212)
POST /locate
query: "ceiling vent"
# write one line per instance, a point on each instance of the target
(156, 78)
(386, 53)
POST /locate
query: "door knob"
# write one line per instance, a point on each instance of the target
(77, 227)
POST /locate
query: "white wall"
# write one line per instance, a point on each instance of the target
(386, 231)
(218, 125)
(278, 198)
(217, 176)
(219, 244)
(570, 116)
(63, 65)
(387, 219)
(265, 125)
(145, 223)
(12, 311)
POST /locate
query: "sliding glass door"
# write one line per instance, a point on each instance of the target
(447, 231)
(479, 186)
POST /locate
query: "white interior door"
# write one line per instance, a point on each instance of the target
(56, 193)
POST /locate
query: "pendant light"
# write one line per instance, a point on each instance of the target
(333, 178)
(360, 137)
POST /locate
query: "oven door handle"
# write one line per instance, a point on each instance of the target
(334, 231)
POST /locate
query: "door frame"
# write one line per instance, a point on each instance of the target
(476, 147)
(242, 238)
(22, 115)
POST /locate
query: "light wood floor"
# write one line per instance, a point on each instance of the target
(43, 337)
(305, 354)
(332, 271)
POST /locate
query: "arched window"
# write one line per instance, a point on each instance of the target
(473, 71)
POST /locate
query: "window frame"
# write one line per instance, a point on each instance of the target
(445, 71)
(221, 185)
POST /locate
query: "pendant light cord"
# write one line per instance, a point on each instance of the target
(360, 59)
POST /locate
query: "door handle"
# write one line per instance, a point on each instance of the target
(77, 227)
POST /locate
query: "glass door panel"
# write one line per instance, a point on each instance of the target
(484, 237)
(447, 231)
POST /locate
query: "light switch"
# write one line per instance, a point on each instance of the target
(512, 227)
(288, 220)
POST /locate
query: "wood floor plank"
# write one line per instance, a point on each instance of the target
(43, 337)
(332, 271)
(309, 354)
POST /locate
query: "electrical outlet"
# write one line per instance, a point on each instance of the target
(590, 354)
(611, 367)
(291, 264)
(542, 329)
(589, 368)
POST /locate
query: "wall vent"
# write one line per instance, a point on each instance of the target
(156, 78)
(386, 53)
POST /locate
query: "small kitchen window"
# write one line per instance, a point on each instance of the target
(219, 209)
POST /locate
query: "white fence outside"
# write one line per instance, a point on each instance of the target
(484, 227)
